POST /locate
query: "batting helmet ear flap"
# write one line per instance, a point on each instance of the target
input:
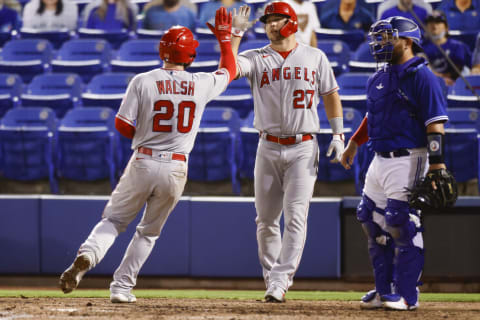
(289, 28)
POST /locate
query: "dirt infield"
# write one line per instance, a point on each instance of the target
(202, 309)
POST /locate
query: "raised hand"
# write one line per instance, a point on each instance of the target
(240, 22)
(223, 25)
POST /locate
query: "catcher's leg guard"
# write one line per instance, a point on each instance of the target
(404, 226)
(380, 246)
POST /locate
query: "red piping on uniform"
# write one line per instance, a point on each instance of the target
(361, 135)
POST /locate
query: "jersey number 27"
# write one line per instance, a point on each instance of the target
(167, 109)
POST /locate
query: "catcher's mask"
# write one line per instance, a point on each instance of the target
(384, 33)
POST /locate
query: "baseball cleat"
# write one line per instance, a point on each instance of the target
(71, 277)
(371, 300)
(396, 302)
(275, 295)
(122, 298)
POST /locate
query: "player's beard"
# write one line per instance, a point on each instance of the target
(275, 36)
(397, 53)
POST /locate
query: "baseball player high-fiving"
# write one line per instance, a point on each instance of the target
(287, 79)
(166, 104)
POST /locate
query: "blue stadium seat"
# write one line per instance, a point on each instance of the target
(11, 87)
(352, 37)
(4, 37)
(149, 34)
(466, 36)
(252, 44)
(204, 33)
(237, 96)
(363, 61)
(208, 56)
(353, 90)
(86, 57)
(139, 55)
(115, 37)
(214, 156)
(338, 53)
(107, 89)
(56, 37)
(459, 95)
(462, 153)
(249, 137)
(87, 145)
(26, 57)
(334, 171)
(463, 118)
(60, 91)
(27, 145)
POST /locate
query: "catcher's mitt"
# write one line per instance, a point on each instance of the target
(424, 197)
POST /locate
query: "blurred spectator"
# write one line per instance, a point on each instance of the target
(307, 21)
(476, 57)
(391, 3)
(347, 15)
(161, 15)
(404, 8)
(50, 15)
(9, 17)
(457, 51)
(207, 11)
(462, 14)
(110, 15)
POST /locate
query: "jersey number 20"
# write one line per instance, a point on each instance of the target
(166, 109)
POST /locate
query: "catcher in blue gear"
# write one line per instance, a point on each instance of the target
(404, 127)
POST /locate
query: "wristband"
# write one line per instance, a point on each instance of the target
(436, 144)
(336, 124)
(236, 32)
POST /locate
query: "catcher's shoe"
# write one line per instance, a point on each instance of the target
(275, 294)
(397, 302)
(371, 300)
(71, 277)
(122, 297)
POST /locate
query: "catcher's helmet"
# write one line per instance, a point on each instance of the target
(383, 32)
(284, 9)
(178, 46)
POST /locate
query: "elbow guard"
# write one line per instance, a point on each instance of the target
(436, 145)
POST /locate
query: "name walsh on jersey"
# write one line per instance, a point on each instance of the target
(172, 87)
(287, 73)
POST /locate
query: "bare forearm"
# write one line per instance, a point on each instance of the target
(235, 44)
(333, 105)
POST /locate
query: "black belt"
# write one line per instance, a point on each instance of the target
(394, 154)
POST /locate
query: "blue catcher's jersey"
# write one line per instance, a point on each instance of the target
(401, 101)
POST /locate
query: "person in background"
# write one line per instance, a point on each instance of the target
(476, 56)
(348, 15)
(392, 3)
(110, 15)
(9, 17)
(457, 51)
(404, 8)
(158, 16)
(462, 14)
(47, 15)
(207, 11)
(307, 21)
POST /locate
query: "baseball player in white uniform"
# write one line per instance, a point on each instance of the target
(287, 79)
(166, 104)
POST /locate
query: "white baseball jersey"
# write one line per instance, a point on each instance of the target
(167, 105)
(301, 79)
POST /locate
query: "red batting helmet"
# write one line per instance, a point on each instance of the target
(178, 46)
(284, 9)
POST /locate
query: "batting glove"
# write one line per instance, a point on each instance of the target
(223, 25)
(337, 144)
(240, 22)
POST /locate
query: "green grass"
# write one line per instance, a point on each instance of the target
(231, 294)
